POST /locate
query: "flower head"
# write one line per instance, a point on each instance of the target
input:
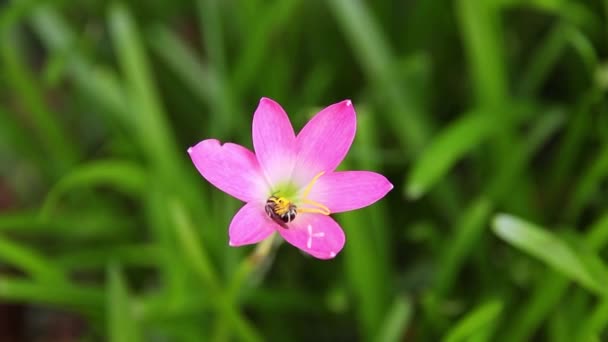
(290, 185)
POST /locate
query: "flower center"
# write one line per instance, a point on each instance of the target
(284, 210)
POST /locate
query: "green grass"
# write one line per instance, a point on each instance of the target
(489, 117)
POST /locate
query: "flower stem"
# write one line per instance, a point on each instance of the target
(255, 261)
(246, 267)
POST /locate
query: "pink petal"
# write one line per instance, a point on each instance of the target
(349, 190)
(274, 141)
(231, 168)
(250, 225)
(325, 140)
(317, 235)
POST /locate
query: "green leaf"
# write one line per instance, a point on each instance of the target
(396, 321)
(194, 252)
(83, 299)
(122, 326)
(446, 149)
(151, 127)
(140, 255)
(30, 261)
(597, 235)
(71, 225)
(48, 130)
(547, 247)
(589, 182)
(370, 46)
(197, 258)
(125, 176)
(471, 226)
(483, 41)
(595, 322)
(481, 318)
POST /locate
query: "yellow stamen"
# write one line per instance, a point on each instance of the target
(312, 182)
(313, 211)
(317, 204)
(321, 209)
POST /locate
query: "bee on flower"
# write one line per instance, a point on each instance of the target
(290, 185)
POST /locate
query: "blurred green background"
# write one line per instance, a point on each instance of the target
(489, 116)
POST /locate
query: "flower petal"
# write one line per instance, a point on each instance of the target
(250, 225)
(317, 235)
(274, 141)
(349, 190)
(325, 140)
(231, 168)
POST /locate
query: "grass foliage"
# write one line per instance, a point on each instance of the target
(489, 116)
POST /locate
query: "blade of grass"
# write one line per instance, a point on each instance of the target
(597, 235)
(204, 81)
(99, 83)
(596, 238)
(412, 127)
(573, 140)
(468, 230)
(397, 320)
(547, 247)
(199, 262)
(446, 149)
(584, 47)
(480, 25)
(257, 42)
(46, 124)
(595, 322)
(121, 324)
(550, 290)
(141, 255)
(481, 30)
(545, 297)
(368, 253)
(150, 124)
(174, 276)
(14, 12)
(87, 300)
(376, 59)
(81, 225)
(156, 139)
(154, 308)
(210, 15)
(477, 320)
(121, 175)
(197, 256)
(361, 269)
(588, 184)
(30, 261)
(368, 144)
(15, 140)
(474, 218)
(515, 163)
(543, 59)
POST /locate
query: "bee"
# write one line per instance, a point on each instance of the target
(281, 210)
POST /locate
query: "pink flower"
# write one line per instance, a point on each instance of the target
(290, 185)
